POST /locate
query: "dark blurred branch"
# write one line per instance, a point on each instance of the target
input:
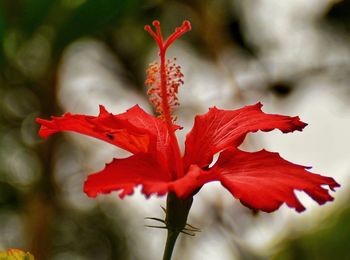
(42, 203)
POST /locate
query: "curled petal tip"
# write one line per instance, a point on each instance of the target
(40, 120)
(46, 123)
(259, 104)
(90, 194)
(300, 209)
(103, 110)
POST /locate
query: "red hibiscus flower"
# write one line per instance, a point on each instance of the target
(260, 180)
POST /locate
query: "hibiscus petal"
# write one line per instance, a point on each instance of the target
(134, 130)
(131, 130)
(219, 129)
(194, 179)
(264, 181)
(125, 174)
(148, 123)
(160, 142)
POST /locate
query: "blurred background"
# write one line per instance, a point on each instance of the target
(72, 55)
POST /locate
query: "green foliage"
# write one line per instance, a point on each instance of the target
(91, 17)
(8, 196)
(2, 35)
(104, 236)
(34, 13)
(330, 241)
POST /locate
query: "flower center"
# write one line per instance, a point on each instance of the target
(164, 79)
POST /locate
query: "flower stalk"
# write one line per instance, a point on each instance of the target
(170, 244)
(176, 218)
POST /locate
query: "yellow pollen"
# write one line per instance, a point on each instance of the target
(174, 79)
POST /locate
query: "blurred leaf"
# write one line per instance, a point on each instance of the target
(2, 36)
(104, 236)
(340, 13)
(8, 195)
(329, 241)
(92, 16)
(15, 254)
(35, 11)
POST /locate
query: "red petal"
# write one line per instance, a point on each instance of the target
(157, 129)
(126, 174)
(194, 179)
(131, 130)
(135, 131)
(264, 181)
(148, 123)
(219, 129)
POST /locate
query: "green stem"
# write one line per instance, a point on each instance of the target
(170, 244)
(176, 217)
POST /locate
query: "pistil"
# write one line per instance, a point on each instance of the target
(165, 91)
